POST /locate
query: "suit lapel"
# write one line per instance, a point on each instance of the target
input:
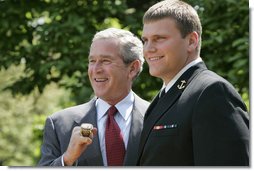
(152, 105)
(134, 136)
(159, 106)
(92, 156)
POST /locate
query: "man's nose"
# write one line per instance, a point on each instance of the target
(97, 66)
(149, 47)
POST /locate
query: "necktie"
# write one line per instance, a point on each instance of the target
(115, 149)
(162, 93)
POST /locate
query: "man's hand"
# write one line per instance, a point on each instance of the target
(77, 145)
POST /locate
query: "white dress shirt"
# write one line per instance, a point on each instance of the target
(123, 119)
(178, 75)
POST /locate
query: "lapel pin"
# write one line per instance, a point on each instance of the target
(182, 85)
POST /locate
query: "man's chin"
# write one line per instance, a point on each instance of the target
(154, 73)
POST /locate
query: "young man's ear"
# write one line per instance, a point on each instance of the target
(193, 41)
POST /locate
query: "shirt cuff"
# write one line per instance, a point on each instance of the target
(62, 161)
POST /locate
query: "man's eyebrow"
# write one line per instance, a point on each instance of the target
(155, 35)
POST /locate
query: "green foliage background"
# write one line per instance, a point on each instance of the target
(43, 59)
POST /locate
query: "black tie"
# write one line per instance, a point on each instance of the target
(162, 93)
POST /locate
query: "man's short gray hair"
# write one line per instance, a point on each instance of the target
(130, 46)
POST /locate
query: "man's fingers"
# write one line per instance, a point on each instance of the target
(85, 140)
(94, 132)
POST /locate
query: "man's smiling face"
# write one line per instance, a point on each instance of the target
(108, 74)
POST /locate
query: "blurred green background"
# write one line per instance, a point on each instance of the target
(43, 59)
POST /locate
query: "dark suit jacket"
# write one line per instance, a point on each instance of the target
(58, 129)
(201, 120)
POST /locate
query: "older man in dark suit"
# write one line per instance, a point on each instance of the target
(201, 120)
(115, 60)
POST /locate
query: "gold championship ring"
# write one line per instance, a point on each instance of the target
(86, 129)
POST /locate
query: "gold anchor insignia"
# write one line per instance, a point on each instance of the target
(182, 85)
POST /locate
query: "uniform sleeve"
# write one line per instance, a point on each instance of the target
(220, 127)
